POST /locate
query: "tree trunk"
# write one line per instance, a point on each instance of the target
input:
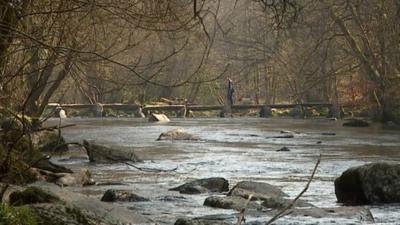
(56, 83)
(38, 82)
(370, 70)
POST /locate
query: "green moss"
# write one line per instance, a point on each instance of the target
(50, 141)
(31, 195)
(19, 122)
(16, 215)
(78, 215)
(16, 171)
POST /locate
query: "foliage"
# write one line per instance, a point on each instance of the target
(343, 52)
(14, 170)
(16, 215)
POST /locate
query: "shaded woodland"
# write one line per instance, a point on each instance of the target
(344, 52)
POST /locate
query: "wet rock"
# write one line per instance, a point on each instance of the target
(199, 221)
(369, 184)
(284, 149)
(177, 134)
(112, 195)
(254, 223)
(83, 178)
(356, 123)
(100, 153)
(111, 183)
(230, 202)
(279, 202)
(172, 198)
(328, 133)
(49, 141)
(259, 190)
(213, 184)
(284, 136)
(111, 213)
(158, 118)
(31, 195)
(62, 214)
(362, 213)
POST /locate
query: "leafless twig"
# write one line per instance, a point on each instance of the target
(241, 216)
(282, 212)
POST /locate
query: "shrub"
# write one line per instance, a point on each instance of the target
(16, 215)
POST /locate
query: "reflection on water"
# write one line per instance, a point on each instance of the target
(237, 149)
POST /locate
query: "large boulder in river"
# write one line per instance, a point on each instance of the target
(112, 195)
(153, 117)
(363, 214)
(100, 153)
(213, 184)
(369, 184)
(259, 190)
(177, 134)
(279, 203)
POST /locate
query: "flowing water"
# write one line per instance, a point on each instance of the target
(237, 149)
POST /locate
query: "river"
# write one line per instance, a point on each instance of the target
(237, 149)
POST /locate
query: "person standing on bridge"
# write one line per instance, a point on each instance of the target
(230, 91)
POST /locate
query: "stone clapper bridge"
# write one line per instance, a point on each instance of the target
(182, 110)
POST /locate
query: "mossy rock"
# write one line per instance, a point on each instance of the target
(31, 195)
(112, 195)
(19, 122)
(64, 214)
(49, 141)
(104, 154)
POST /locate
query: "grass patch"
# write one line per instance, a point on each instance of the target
(16, 215)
